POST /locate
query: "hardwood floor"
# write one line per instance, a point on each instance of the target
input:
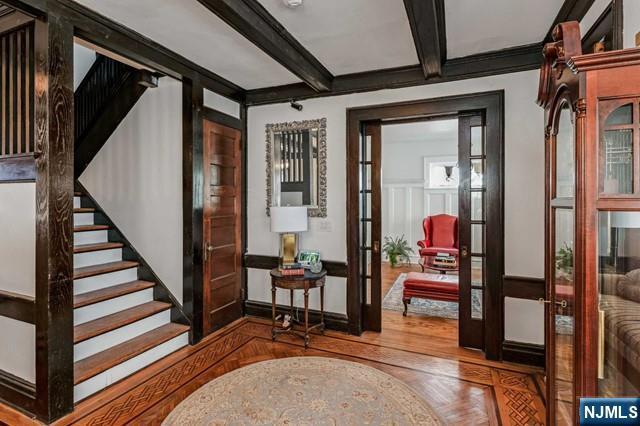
(463, 389)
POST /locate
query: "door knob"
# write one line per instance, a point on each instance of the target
(464, 251)
(207, 251)
(376, 246)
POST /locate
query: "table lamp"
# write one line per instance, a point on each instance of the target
(288, 221)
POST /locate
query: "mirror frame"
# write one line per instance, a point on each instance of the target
(321, 124)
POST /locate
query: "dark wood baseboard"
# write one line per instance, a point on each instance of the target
(18, 307)
(334, 269)
(17, 392)
(333, 321)
(523, 287)
(523, 353)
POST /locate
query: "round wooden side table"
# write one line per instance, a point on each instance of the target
(297, 282)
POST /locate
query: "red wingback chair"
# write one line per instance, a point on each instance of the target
(440, 235)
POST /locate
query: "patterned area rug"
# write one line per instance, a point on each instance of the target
(304, 391)
(433, 308)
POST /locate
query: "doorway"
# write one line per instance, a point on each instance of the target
(479, 217)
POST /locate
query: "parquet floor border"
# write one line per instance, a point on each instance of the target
(490, 393)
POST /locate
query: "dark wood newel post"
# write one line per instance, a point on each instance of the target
(54, 216)
(193, 202)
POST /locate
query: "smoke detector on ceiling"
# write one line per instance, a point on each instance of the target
(292, 4)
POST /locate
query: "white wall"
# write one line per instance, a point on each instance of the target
(631, 23)
(524, 177)
(17, 274)
(220, 103)
(83, 58)
(406, 197)
(137, 178)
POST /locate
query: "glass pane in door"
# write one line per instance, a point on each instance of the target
(565, 163)
(619, 304)
(563, 314)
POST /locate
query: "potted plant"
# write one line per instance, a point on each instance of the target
(396, 249)
(564, 261)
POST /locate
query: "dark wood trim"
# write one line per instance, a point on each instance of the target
(571, 10)
(515, 59)
(54, 123)
(160, 291)
(18, 307)
(18, 169)
(245, 180)
(254, 261)
(256, 24)
(492, 103)
(17, 392)
(13, 20)
(222, 118)
(426, 19)
(523, 287)
(523, 353)
(108, 34)
(193, 205)
(333, 321)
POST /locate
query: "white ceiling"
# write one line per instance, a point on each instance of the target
(188, 28)
(422, 131)
(476, 26)
(346, 36)
(349, 36)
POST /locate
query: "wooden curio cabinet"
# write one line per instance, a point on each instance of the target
(592, 245)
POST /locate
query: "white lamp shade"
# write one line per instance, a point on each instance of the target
(289, 219)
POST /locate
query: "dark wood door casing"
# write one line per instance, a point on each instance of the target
(492, 104)
(222, 225)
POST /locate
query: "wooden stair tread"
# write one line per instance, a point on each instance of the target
(84, 210)
(91, 297)
(77, 194)
(111, 322)
(87, 248)
(103, 268)
(102, 361)
(86, 228)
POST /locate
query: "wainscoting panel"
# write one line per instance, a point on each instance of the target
(406, 203)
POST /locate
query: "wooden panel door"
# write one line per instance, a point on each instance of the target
(222, 225)
(371, 226)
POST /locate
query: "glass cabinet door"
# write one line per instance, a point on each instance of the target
(561, 308)
(619, 250)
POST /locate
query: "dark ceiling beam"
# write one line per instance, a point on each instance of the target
(571, 10)
(108, 34)
(426, 19)
(253, 21)
(522, 58)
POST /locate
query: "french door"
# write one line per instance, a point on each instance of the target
(371, 225)
(472, 158)
(472, 224)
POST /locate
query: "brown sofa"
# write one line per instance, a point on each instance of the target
(620, 302)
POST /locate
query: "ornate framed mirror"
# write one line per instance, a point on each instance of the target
(296, 157)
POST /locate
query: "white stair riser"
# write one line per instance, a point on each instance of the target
(105, 280)
(91, 237)
(82, 219)
(76, 202)
(111, 306)
(119, 335)
(120, 371)
(96, 257)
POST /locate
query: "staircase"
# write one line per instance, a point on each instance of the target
(124, 317)
(102, 100)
